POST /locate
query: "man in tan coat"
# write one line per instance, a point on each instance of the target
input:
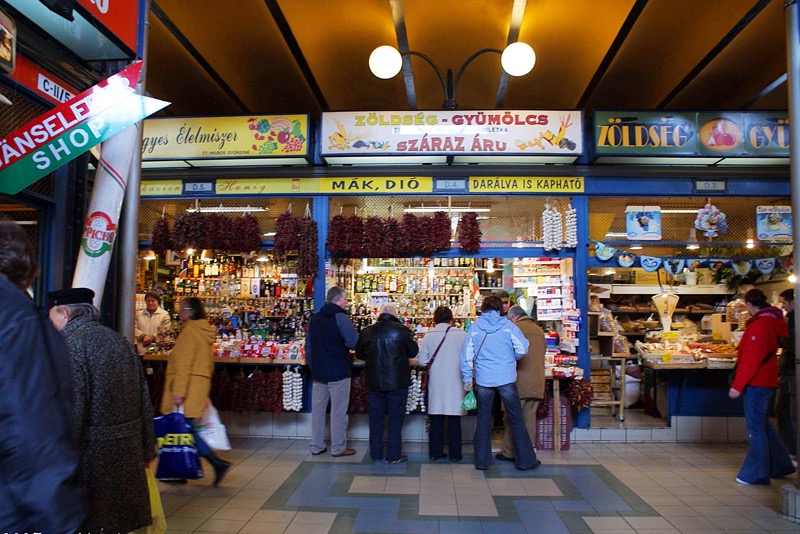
(530, 378)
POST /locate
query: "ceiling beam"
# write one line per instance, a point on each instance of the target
(767, 90)
(197, 56)
(714, 52)
(297, 52)
(612, 52)
(517, 14)
(399, 20)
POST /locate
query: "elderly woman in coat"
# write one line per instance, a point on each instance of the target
(189, 371)
(112, 412)
(443, 344)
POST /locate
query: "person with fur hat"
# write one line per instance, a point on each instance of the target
(112, 414)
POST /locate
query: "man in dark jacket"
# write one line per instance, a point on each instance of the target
(329, 338)
(387, 346)
(39, 490)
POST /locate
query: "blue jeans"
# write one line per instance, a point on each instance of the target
(524, 453)
(202, 447)
(380, 404)
(766, 456)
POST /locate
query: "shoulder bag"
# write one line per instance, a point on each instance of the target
(426, 372)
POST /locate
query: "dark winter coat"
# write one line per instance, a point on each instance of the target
(329, 338)
(39, 490)
(386, 347)
(114, 426)
(762, 335)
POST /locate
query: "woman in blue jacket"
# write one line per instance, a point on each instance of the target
(494, 344)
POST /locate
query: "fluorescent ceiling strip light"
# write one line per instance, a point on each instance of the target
(434, 209)
(223, 209)
(681, 211)
(616, 234)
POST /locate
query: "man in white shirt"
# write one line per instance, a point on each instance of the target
(150, 321)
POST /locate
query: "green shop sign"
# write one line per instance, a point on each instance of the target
(708, 133)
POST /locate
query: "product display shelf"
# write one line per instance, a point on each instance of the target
(160, 357)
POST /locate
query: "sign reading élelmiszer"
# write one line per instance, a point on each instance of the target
(225, 137)
(67, 131)
(712, 133)
(511, 132)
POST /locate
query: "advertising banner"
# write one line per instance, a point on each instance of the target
(63, 133)
(121, 17)
(712, 133)
(225, 137)
(511, 132)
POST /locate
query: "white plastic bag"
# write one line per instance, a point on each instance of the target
(212, 430)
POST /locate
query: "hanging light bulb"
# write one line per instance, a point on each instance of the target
(750, 241)
(693, 244)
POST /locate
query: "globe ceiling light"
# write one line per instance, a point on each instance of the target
(517, 59)
(385, 62)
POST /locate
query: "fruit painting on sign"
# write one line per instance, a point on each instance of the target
(278, 136)
(721, 135)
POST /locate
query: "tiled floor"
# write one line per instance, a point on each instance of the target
(276, 486)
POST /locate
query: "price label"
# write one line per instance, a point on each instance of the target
(672, 335)
(666, 358)
(710, 186)
(716, 336)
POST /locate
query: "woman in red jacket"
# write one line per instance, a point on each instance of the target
(757, 378)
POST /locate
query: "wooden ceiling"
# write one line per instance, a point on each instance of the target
(223, 57)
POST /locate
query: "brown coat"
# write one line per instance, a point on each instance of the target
(190, 367)
(530, 368)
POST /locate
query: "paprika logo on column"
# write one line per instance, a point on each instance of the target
(99, 235)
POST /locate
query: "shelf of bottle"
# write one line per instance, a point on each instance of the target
(239, 297)
(374, 269)
(418, 294)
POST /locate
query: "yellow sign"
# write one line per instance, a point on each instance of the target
(525, 184)
(266, 186)
(717, 336)
(666, 358)
(225, 137)
(671, 335)
(160, 188)
(376, 185)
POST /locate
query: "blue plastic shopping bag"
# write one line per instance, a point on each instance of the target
(177, 453)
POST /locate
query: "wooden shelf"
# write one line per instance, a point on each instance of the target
(636, 289)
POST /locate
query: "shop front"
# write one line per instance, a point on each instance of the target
(551, 240)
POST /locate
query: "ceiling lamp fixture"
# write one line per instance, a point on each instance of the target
(692, 244)
(434, 209)
(226, 209)
(517, 59)
(751, 243)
